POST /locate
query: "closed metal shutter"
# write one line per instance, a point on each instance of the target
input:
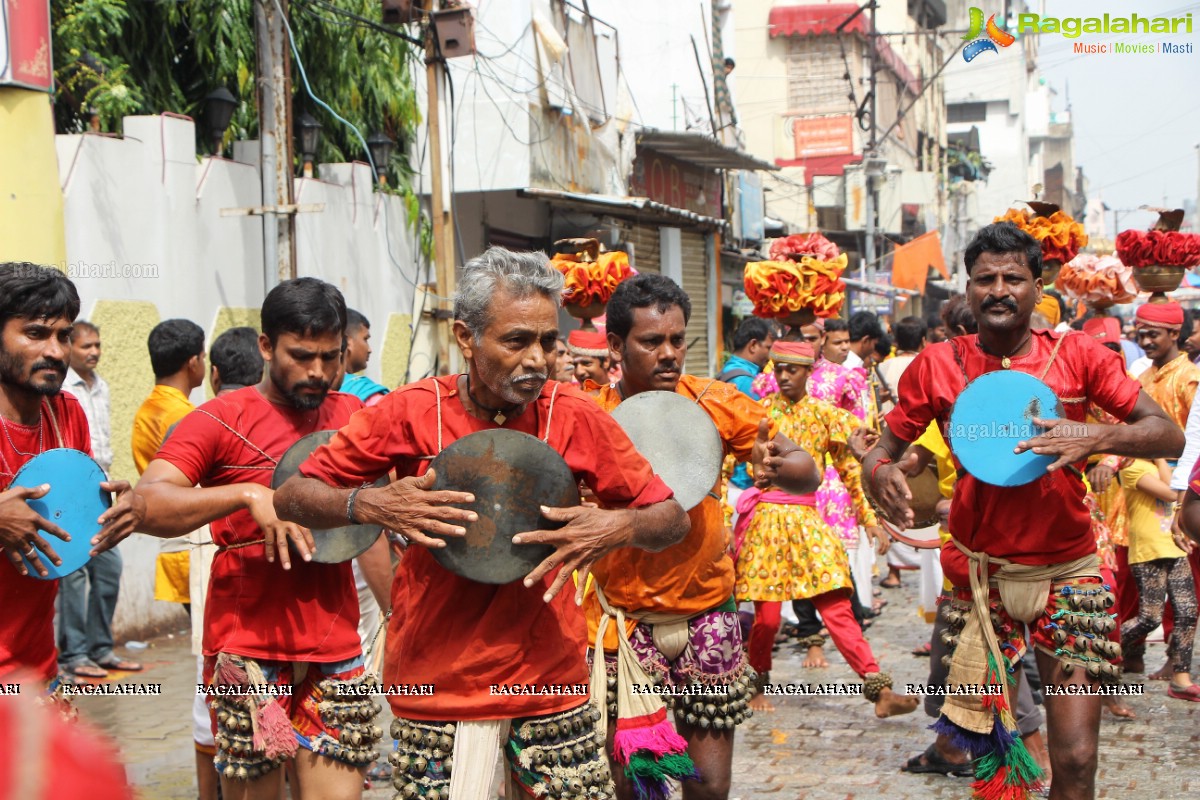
(646, 248)
(695, 282)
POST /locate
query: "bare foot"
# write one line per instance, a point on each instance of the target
(891, 704)
(760, 703)
(1164, 674)
(1117, 708)
(815, 659)
(1133, 664)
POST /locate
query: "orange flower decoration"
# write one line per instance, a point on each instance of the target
(779, 288)
(588, 282)
(1060, 236)
(1096, 279)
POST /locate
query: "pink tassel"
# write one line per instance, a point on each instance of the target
(228, 673)
(651, 733)
(273, 731)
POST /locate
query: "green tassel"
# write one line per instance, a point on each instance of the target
(673, 765)
(1022, 769)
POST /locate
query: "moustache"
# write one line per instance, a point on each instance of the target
(666, 368)
(320, 386)
(1007, 302)
(50, 363)
(533, 377)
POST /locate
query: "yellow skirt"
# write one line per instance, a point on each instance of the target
(790, 554)
(171, 572)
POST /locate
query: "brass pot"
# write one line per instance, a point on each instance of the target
(1160, 278)
(586, 313)
(800, 318)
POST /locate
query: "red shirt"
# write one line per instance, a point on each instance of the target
(1042, 522)
(256, 608)
(457, 634)
(27, 618)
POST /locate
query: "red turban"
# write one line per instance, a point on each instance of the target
(1160, 315)
(587, 343)
(792, 353)
(1105, 330)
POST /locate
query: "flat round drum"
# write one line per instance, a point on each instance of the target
(335, 545)
(74, 503)
(512, 475)
(679, 440)
(989, 418)
(925, 496)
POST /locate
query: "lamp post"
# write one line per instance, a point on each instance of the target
(310, 136)
(381, 148)
(219, 106)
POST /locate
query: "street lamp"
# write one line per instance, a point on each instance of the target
(381, 148)
(219, 106)
(310, 135)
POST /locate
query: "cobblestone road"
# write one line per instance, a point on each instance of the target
(817, 748)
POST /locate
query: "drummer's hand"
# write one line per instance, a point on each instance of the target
(277, 532)
(1071, 441)
(19, 526)
(122, 519)
(943, 511)
(1100, 477)
(766, 456)
(409, 508)
(882, 540)
(862, 440)
(890, 490)
(588, 535)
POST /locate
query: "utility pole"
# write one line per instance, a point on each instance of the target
(275, 141)
(440, 205)
(869, 165)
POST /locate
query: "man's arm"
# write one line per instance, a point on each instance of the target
(175, 507)
(884, 473)
(783, 463)
(376, 566)
(592, 532)
(1148, 433)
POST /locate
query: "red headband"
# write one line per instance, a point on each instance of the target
(1161, 315)
(587, 343)
(792, 353)
(1105, 330)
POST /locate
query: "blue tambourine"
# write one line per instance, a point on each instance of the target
(993, 414)
(74, 503)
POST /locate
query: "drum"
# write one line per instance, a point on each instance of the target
(679, 440)
(74, 503)
(511, 475)
(995, 412)
(335, 545)
(925, 496)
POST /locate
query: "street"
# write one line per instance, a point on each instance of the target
(817, 748)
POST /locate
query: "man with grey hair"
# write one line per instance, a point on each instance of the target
(524, 634)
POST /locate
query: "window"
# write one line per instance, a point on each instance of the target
(966, 112)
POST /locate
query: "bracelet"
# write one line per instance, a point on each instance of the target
(350, 505)
(878, 464)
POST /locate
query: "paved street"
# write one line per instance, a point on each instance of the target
(818, 748)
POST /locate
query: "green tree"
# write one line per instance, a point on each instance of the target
(114, 58)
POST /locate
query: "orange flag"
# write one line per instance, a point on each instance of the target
(911, 262)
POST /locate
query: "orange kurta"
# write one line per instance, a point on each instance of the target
(1173, 386)
(696, 574)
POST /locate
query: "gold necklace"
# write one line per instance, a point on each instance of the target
(1006, 361)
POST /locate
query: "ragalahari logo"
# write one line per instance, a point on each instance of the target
(995, 36)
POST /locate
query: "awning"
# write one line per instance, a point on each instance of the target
(818, 166)
(823, 19)
(878, 288)
(701, 150)
(642, 209)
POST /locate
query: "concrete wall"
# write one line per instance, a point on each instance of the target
(31, 215)
(150, 236)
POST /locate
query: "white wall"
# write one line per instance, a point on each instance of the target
(146, 200)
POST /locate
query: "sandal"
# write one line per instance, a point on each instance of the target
(934, 762)
(886, 585)
(1190, 692)
(87, 670)
(923, 650)
(115, 663)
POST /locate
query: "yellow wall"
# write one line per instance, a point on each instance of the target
(31, 203)
(397, 339)
(125, 327)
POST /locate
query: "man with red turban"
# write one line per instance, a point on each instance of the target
(589, 352)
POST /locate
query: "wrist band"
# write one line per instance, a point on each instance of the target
(878, 464)
(350, 505)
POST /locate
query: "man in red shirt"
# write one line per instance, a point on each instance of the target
(1037, 537)
(688, 586)
(466, 639)
(38, 306)
(291, 624)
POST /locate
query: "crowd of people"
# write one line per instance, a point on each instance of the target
(1056, 582)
